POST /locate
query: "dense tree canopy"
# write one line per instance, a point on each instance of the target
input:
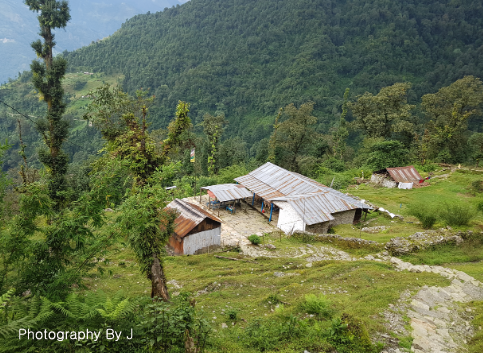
(257, 56)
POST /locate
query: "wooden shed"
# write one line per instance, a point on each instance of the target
(196, 230)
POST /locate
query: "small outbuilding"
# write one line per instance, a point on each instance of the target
(402, 177)
(196, 231)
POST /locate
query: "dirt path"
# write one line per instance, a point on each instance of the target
(439, 325)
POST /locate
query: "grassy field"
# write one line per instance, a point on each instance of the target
(250, 288)
(453, 189)
(476, 342)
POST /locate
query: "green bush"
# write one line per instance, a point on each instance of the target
(320, 306)
(273, 299)
(386, 154)
(232, 315)
(78, 85)
(266, 335)
(335, 164)
(254, 239)
(456, 214)
(428, 167)
(426, 215)
(477, 186)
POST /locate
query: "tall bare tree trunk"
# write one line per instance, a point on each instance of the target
(158, 280)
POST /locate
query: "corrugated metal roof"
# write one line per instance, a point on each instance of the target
(228, 192)
(313, 201)
(404, 174)
(189, 216)
(261, 189)
(316, 208)
(270, 181)
(348, 198)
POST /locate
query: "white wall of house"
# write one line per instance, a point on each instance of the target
(289, 220)
(197, 241)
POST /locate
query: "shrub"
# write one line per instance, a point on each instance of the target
(319, 306)
(232, 315)
(334, 164)
(254, 239)
(456, 215)
(477, 186)
(385, 154)
(426, 215)
(273, 299)
(428, 167)
(479, 206)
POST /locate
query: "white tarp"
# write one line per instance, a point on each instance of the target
(405, 185)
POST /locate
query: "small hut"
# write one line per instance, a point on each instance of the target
(196, 231)
(402, 177)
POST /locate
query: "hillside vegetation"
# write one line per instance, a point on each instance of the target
(248, 58)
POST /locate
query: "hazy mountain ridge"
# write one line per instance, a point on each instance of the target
(91, 20)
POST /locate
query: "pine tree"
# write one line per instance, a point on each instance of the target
(47, 77)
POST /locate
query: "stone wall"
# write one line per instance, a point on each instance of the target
(319, 228)
(389, 183)
(380, 179)
(344, 217)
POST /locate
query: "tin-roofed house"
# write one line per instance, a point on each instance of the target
(300, 204)
(402, 177)
(196, 231)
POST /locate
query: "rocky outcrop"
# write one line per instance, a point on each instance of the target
(422, 240)
(355, 242)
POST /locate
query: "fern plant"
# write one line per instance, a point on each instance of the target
(17, 313)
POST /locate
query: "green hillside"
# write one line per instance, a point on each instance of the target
(84, 141)
(249, 58)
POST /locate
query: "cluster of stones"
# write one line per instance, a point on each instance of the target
(436, 321)
(422, 240)
(375, 229)
(338, 238)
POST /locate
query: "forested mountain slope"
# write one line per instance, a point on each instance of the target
(248, 58)
(91, 20)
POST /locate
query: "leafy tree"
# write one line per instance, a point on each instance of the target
(213, 129)
(475, 142)
(387, 154)
(294, 134)
(4, 181)
(48, 259)
(272, 143)
(384, 114)
(47, 79)
(341, 134)
(449, 111)
(122, 121)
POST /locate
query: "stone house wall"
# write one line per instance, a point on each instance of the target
(344, 217)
